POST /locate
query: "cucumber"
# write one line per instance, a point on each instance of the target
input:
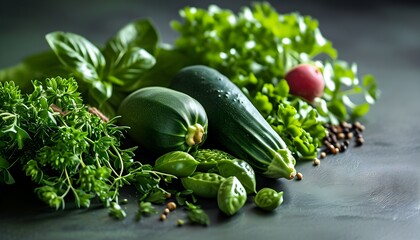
(164, 120)
(235, 122)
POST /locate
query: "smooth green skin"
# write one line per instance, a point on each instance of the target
(203, 184)
(240, 169)
(162, 119)
(231, 196)
(235, 122)
(177, 163)
(268, 199)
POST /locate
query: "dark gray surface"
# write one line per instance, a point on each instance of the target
(372, 192)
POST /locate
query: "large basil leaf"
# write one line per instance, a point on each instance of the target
(141, 34)
(129, 53)
(84, 60)
(82, 57)
(129, 65)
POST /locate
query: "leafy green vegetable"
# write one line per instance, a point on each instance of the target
(145, 208)
(66, 149)
(105, 75)
(256, 47)
(197, 215)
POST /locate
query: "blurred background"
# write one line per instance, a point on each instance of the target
(360, 30)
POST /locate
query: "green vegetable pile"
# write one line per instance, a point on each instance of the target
(256, 48)
(55, 130)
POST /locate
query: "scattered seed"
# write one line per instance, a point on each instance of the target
(333, 129)
(299, 176)
(327, 142)
(336, 150)
(316, 162)
(162, 217)
(337, 145)
(343, 148)
(358, 125)
(359, 141)
(333, 138)
(341, 135)
(171, 206)
(323, 154)
(166, 211)
(180, 222)
(345, 125)
(349, 135)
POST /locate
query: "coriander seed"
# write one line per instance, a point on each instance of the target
(166, 211)
(359, 141)
(171, 206)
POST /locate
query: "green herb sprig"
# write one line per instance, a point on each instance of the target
(65, 148)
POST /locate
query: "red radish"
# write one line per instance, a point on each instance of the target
(305, 80)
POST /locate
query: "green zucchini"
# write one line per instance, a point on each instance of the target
(235, 122)
(164, 120)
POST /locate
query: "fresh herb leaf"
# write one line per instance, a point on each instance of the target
(145, 209)
(78, 54)
(116, 211)
(140, 34)
(197, 215)
(129, 65)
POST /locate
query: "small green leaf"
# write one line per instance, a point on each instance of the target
(360, 110)
(21, 136)
(116, 211)
(197, 215)
(282, 88)
(6, 177)
(372, 93)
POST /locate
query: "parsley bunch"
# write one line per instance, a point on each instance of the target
(65, 148)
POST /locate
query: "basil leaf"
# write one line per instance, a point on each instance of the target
(129, 65)
(141, 34)
(78, 54)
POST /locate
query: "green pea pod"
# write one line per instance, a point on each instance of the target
(178, 163)
(208, 158)
(240, 169)
(231, 196)
(268, 199)
(203, 184)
